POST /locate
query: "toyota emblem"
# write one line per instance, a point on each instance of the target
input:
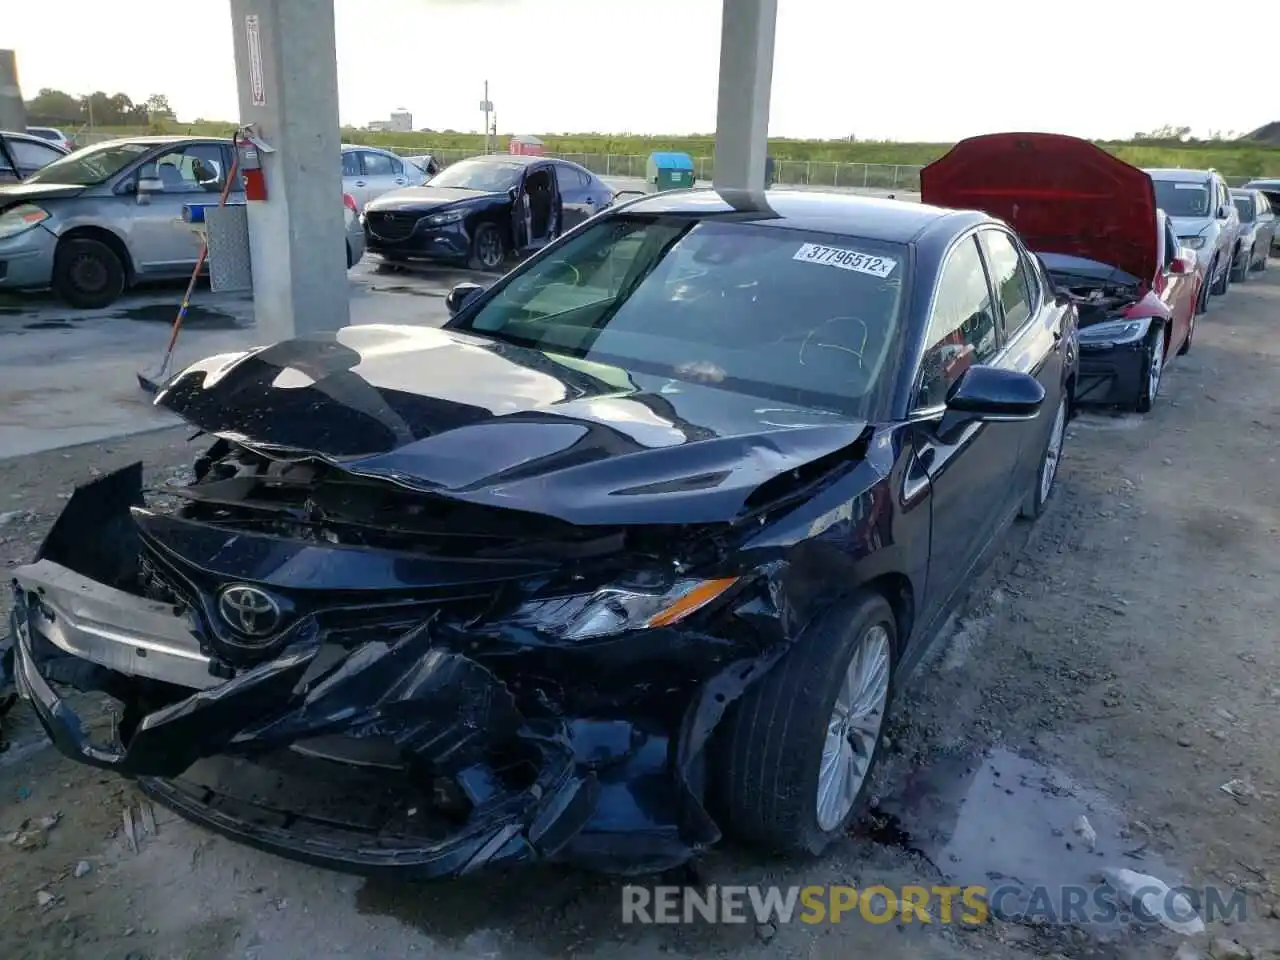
(249, 611)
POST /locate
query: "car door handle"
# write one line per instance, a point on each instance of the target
(400, 180)
(360, 183)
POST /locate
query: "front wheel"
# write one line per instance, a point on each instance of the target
(1154, 365)
(1036, 499)
(1218, 284)
(794, 756)
(1240, 268)
(487, 251)
(87, 274)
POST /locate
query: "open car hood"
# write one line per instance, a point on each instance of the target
(1061, 194)
(501, 425)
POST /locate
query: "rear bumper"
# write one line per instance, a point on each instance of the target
(1111, 376)
(234, 750)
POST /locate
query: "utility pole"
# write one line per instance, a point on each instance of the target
(13, 111)
(486, 107)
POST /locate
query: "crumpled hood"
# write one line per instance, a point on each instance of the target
(12, 193)
(506, 426)
(426, 198)
(1061, 194)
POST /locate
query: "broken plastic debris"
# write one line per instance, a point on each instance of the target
(83, 868)
(44, 899)
(1171, 909)
(1084, 829)
(1241, 790)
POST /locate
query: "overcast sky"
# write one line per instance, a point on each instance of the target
(923, 70)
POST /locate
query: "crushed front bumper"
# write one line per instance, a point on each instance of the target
(1111, 375)
(237, 753)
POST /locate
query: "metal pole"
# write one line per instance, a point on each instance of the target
(485, 107)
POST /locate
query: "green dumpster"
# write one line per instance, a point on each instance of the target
(669, 171)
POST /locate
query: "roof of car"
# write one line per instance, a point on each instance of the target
(1178, 174)
(847, 214)
(1266, 183)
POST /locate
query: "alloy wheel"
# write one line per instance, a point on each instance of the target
(1053, 452)
(489, 249)
(1156, 366)
(854, 728)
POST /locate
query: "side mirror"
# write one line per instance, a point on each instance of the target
(1224, 212)
(990, 394)
(460, 296)
(513, 192)
(1179, 267)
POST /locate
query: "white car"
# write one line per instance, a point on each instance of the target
(54, 135)
(368, 172)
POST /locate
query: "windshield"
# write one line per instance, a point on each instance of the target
(483, 175)
(804, 318)
(1245, 206)
(91, 166)
(1181, 199)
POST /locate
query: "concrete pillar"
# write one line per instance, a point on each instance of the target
(13, 112)
(746, 79)
(287, 75)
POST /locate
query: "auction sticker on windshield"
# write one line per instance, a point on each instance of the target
(845, 259)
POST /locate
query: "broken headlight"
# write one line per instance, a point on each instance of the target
(1195, 243)
(20, 219)
(616, 610)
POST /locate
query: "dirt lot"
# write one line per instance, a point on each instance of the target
(1118, 661)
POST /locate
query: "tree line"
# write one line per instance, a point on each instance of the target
(57, 108)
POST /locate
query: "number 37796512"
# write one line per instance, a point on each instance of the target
(845, 259)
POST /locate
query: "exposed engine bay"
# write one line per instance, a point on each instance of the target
(1097, 300)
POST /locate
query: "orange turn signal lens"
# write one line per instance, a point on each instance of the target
(695, 599)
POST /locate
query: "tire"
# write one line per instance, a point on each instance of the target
(1042, 487)
(1202, 298)
(487, 249)
(1219, 287)
(1154, 357)
(351, 258)
(1240, 271)
(1191, 332)
(87, 274)
(769, 753)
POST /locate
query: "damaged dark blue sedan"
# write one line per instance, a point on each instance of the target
(632, 552)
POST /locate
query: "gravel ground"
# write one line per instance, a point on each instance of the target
(1117, 661)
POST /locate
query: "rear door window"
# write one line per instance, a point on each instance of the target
(962, 324)
(1009, 278)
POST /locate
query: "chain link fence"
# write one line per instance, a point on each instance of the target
(814, 173)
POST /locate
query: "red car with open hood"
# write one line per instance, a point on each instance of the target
(1093, 221)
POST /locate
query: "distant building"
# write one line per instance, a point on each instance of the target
(526, 145)
(401, 121)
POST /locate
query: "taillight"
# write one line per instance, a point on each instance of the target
(349, 202)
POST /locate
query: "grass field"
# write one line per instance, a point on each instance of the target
(1231, 158)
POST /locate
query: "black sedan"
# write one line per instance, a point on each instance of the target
(480, 210)
(634, 550)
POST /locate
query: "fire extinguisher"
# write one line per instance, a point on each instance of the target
(249, 150)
